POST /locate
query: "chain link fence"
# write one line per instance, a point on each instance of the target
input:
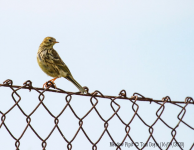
(94, 99)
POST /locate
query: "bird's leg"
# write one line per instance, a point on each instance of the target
(52, 80)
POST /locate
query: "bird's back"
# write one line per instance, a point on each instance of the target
(51, 63)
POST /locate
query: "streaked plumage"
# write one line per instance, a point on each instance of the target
(51, 63)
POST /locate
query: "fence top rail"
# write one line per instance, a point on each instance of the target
(122, 93)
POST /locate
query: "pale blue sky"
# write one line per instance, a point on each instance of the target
(109, 45)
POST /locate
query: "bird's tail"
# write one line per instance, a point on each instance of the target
(70, 78)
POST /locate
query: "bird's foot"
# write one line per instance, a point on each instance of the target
(48, 84)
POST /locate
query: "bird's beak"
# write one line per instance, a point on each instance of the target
(56, 42)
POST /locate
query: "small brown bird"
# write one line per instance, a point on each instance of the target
(51, 63)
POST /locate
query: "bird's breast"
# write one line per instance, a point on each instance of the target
(47, 67)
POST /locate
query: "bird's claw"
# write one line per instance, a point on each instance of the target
(49, 84)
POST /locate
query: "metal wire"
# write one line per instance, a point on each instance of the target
(94, 96)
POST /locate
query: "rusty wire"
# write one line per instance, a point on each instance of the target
(94, 96)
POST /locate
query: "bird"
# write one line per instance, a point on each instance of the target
(50, 62)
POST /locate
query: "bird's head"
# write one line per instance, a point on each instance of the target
(49, 42)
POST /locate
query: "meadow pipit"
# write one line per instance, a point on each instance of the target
(51, 63)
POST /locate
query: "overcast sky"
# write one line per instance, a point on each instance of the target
(108, 45)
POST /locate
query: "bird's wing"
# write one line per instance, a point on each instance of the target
(56, 60)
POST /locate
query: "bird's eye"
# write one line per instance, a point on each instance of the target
(50, 40)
